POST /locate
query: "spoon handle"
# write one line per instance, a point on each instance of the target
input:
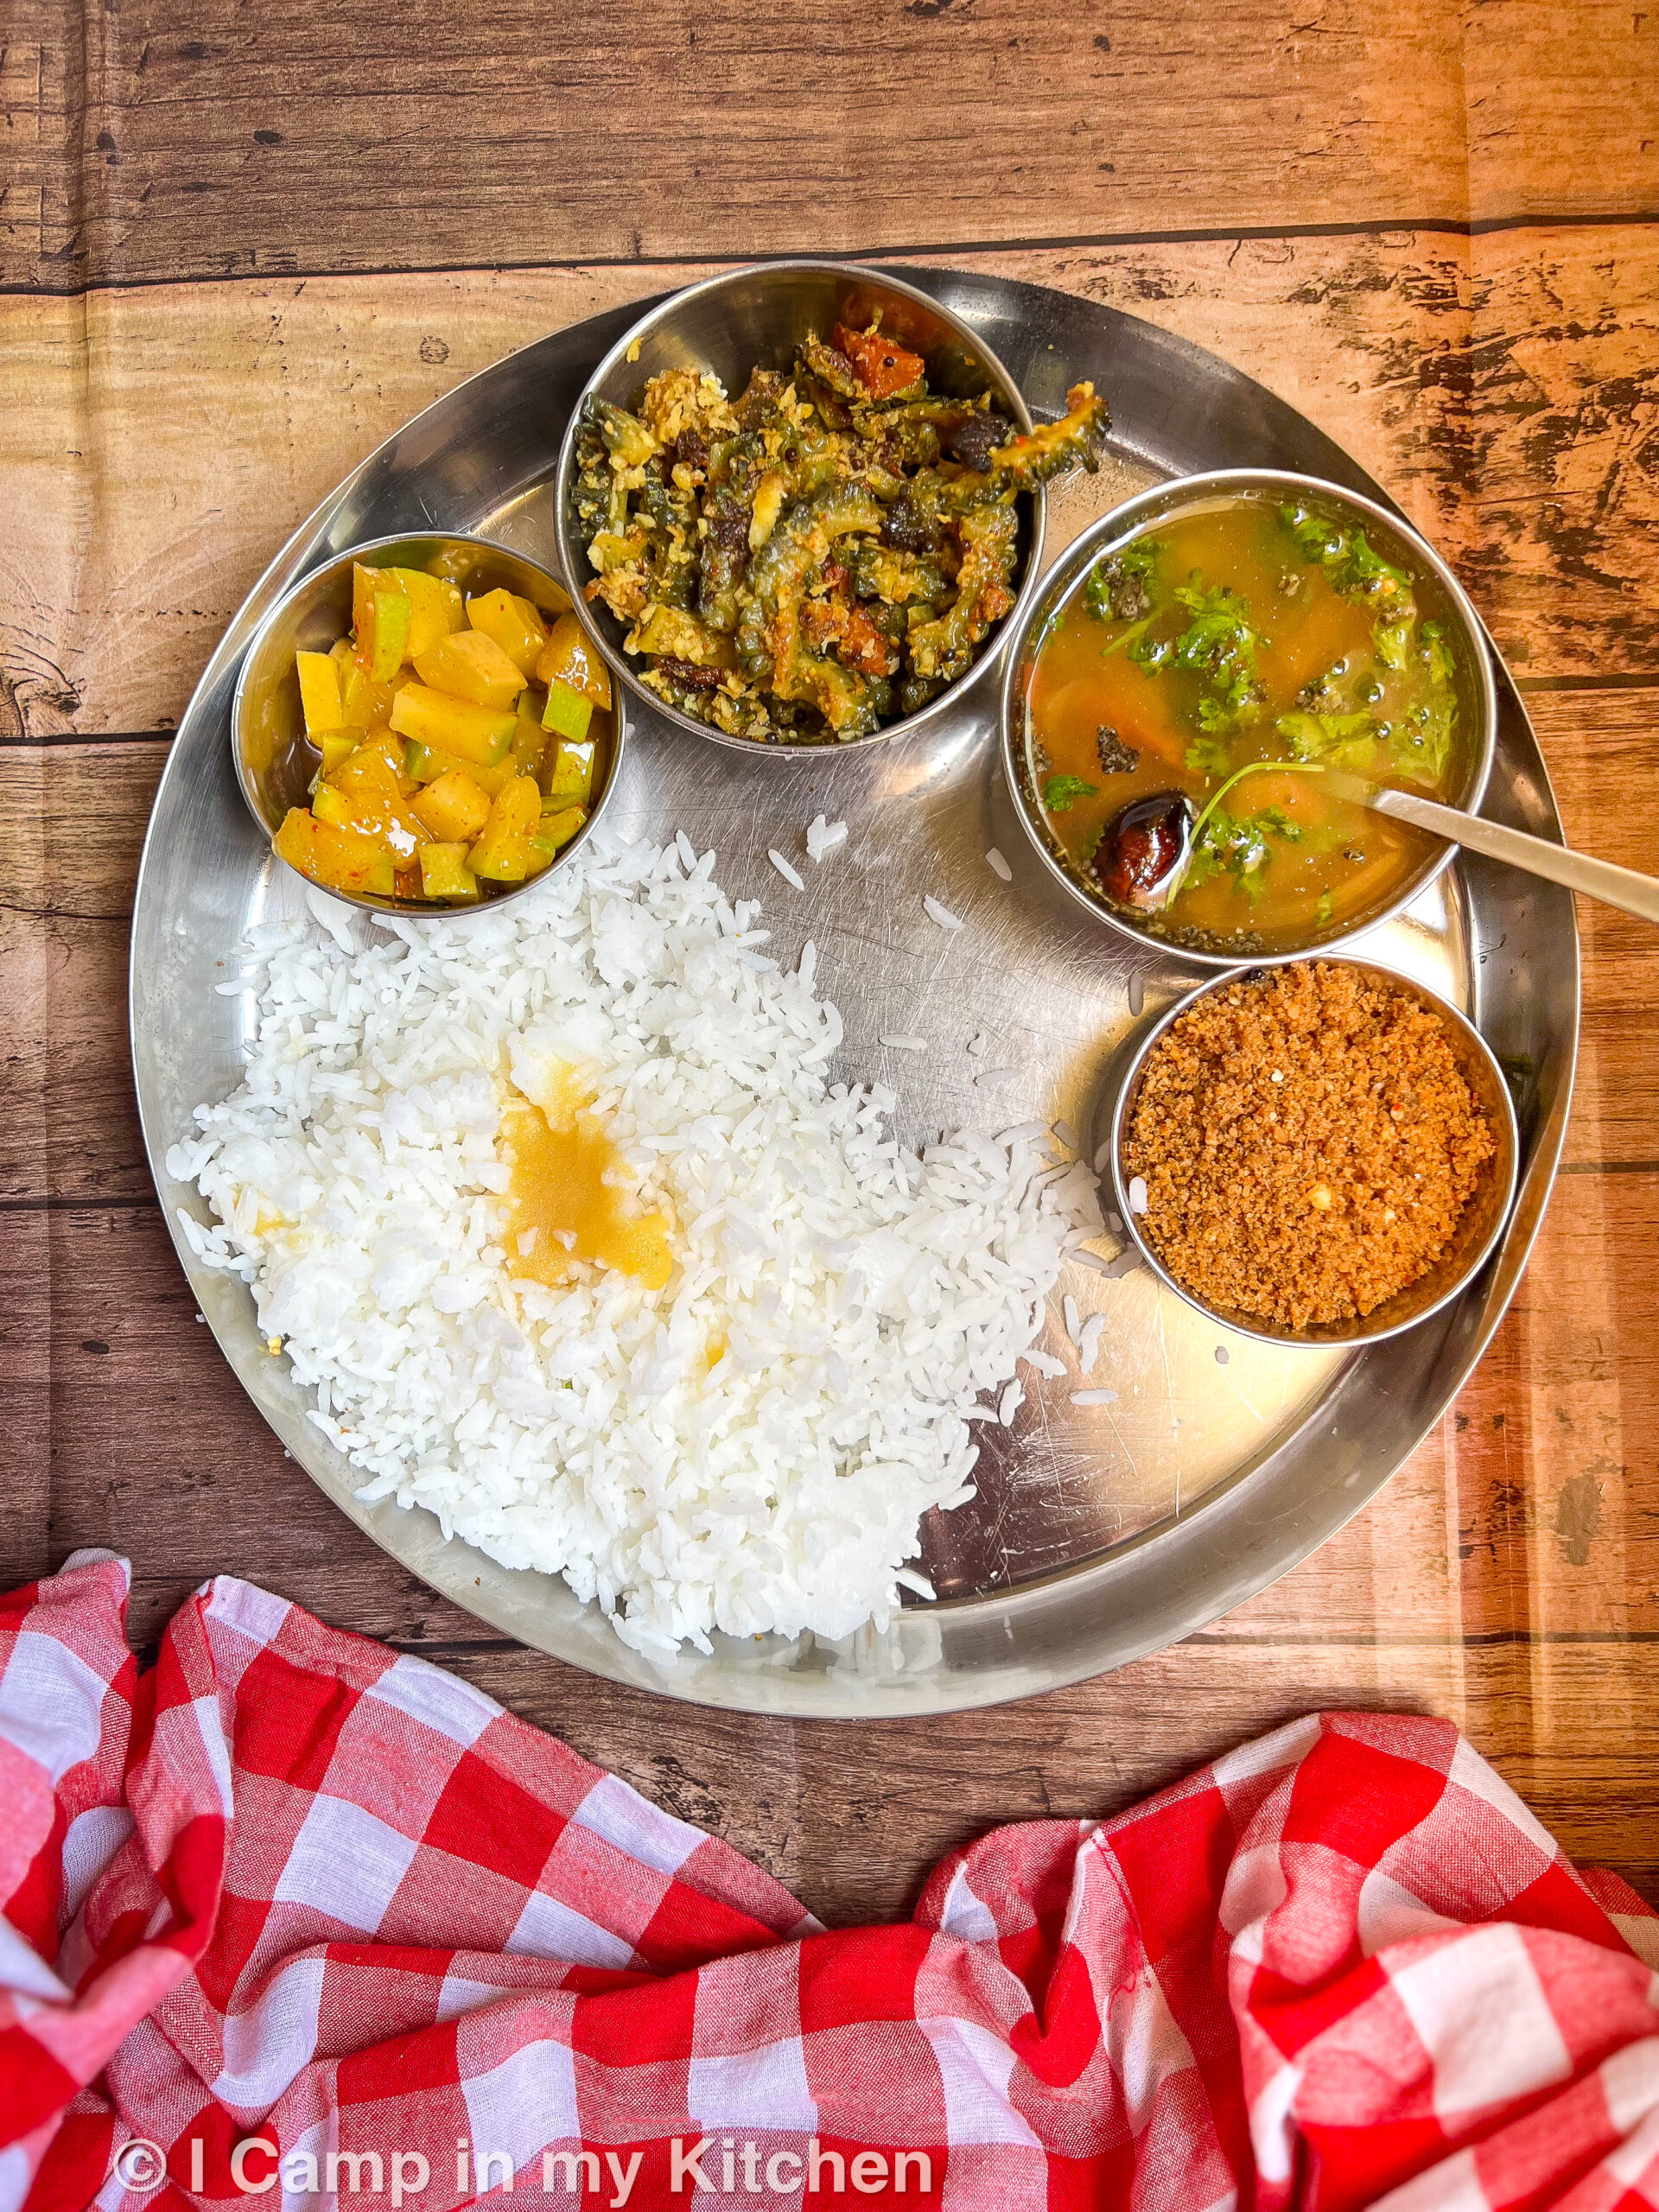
(1615, 887)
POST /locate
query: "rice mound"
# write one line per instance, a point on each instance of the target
(856, 1298)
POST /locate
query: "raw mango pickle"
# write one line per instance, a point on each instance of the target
(503, 851)
(568, 779)
(513, 625)
(460, 726)
(568, 713)
(568, 658)
(469, 665)
(453, 736)
(453, 810)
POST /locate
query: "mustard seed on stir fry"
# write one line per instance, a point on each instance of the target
(823, 554)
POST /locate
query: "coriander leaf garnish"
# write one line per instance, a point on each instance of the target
(1343, 741)
(1354, 566)
(1148, 654)
(1436, 656)
(1239, 845)
(1061, 792)
(1178, 881)
(1220, 645)
(1127, 637)
(1207, 756)
(1419, 746)
(1219, 641)
(1237, 707)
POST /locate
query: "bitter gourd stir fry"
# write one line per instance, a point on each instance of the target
(822, 555)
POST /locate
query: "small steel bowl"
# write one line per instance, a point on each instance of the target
(755, 318)
(1478, 1227)
(1394, 538)
(276, 761)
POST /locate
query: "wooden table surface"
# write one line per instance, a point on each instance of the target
(238, 246)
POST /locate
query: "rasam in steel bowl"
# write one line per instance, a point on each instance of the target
(1478, 1229)
(1166, 503)
(756, 318)
(276, 761)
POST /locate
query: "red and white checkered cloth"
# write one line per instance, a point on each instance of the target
(297, 1910)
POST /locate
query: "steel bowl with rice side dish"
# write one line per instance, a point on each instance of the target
(276, 763)
(1098, 574)
(1478, 1228)
(757, 318)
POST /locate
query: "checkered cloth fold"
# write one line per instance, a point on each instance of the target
(303, 1912)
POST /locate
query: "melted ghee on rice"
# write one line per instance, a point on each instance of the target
(568, 1197)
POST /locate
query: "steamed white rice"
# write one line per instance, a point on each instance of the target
(862, 1304)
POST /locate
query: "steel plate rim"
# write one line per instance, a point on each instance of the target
(1103, 1649)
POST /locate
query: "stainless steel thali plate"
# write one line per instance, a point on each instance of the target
(1099, 1532)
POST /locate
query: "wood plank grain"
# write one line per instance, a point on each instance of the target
(71, 822)
(1555, 88)
(25, 1314)
(198, 144)
(1560, 453)
(1555, 1468)
(1602, 751)
(186, 143)
(1377, 339)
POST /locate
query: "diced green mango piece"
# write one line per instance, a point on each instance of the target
(318, 693)
(444, 872)
(338, 859)
(557, 826)
(338, 746)
(383, 637)
(569, 779)
(503, 852)
(480, 734)
(566, 713)
(427, 762)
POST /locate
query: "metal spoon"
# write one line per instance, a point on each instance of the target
(1624, 888)
(1148, 868)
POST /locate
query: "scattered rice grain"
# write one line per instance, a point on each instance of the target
(824, 836)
